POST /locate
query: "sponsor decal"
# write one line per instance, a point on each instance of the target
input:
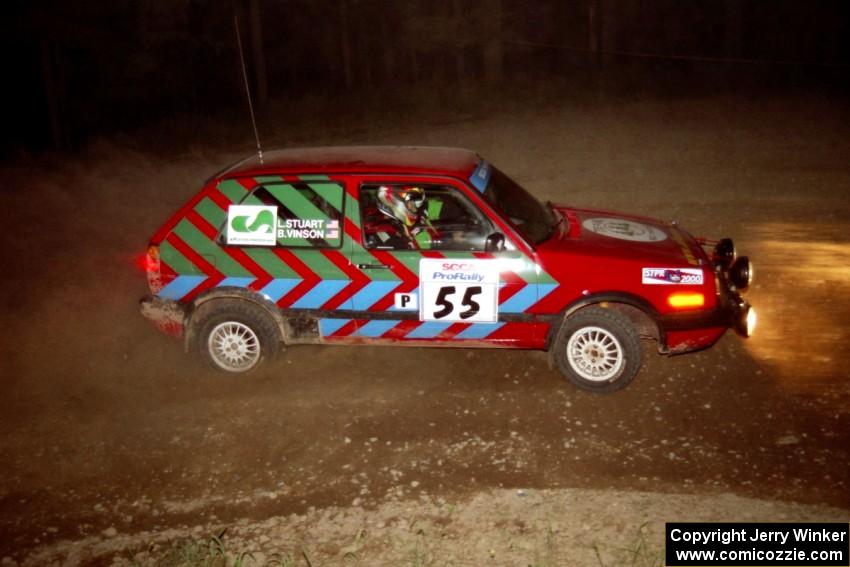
(481, 176)
(624, 229)
(672, 276)
(259, 225)
(308, 229)
(251, 225)
(464, 290)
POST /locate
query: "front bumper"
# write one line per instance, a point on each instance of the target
(166, 315)
(731, 313)
(683, 332)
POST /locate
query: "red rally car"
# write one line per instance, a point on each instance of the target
(430, 247)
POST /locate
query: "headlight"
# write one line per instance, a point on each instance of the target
(724, 253)
(745, 321)
(741, 273)
(751, 322)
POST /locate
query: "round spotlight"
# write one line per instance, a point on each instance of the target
(741, 273)
(751, 321)
(724, 253)
(745, 319)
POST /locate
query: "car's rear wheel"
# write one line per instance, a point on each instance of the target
(598, 350)
(236, 337)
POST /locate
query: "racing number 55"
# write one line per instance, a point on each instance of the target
(468, 301)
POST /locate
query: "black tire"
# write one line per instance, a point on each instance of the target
(606, 350)
(235, 337)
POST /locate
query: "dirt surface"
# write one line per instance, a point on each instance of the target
(108, 425)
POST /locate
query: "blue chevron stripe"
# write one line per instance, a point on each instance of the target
(428, 330)
(376, 328)
(180, 286)
(236, 282)
(330, 326)
(520, 301)
(374, 291)
(479, 331)
(545, 289)
(276, 289)
(526, 297)
(320, 293)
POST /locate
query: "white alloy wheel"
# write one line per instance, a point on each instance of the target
(233, 346)
(595, 354)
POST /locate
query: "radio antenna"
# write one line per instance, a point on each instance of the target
(247, 87)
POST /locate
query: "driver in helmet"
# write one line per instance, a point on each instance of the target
(406, 206)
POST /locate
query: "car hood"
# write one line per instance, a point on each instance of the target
(623, 236)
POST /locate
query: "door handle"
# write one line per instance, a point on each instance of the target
(373, 266)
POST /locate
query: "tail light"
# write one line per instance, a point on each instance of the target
(152, 269)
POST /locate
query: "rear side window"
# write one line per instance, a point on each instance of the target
(306, 215)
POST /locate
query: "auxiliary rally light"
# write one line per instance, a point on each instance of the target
(741, 273)
(724, 253)
(745, 322)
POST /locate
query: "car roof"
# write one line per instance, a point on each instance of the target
(454, 162)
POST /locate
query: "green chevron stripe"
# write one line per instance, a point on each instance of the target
(252, 200)
(315, 177)
(211, 212)
(322, 267)
(270, 262)
(213, 253)
(545, 278)
(296, 202)
(178, 262)
(330, 192)
(232, 189)
(352, 211)
(263, 179)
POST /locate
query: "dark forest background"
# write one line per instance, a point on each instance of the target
(77, 69)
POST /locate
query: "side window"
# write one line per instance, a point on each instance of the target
(420, 217)
(309, 215)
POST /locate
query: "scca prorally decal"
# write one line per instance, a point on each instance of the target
(624, 229)
(251, 225)
(672, 276)
(463, 290)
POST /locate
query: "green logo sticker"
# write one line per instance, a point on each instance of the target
(251, 224)
(262, 222)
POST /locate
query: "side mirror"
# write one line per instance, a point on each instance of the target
(495, 242)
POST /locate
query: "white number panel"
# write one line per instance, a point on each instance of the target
(465, 291)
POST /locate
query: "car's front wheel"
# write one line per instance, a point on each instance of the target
(598, 350)
(235, 337)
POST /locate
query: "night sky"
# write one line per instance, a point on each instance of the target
(76, 70)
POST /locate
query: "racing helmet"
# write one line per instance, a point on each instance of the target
(401, 203)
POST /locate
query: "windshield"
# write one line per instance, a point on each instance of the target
(534, 220)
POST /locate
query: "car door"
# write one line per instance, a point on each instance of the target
(427, 273)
